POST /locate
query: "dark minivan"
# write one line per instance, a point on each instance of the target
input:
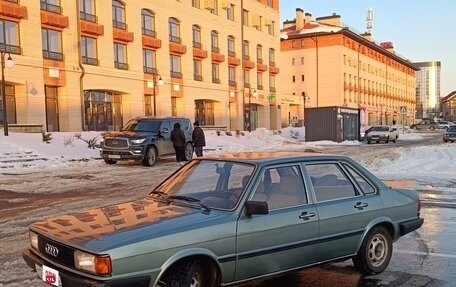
(145, 139)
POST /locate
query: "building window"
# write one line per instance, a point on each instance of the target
(260, 81)
(148, 23)
(52, 6)
(9, 37)
(87, 10)
(196, 3)
(245, 50)
(246, 79)
(231, 46)
(148, 104)
(175, 64)
(214, 42)
(271, 28)
(215, 73)
(52, 44)
(302, 60)
(272, 83)
(204, 112)
(230, 12)
(174, 30)
(293, 79)
(269, 3)
(214, 8)
(89, 51)
(197, 70)
(302, 78)
(271, 57)
(232, 76)
(149, 63)
(293, 61)
(196, 36)
(245, 18)
(120, 56)
(259, 55)
(118, 15)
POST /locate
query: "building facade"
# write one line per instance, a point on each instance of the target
(326, 64)
(448, 105)
(93, 64)
(428, 90)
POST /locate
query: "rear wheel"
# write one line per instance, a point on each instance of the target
(110, 161)
(375, 253)
(151, 157)
(188, 151)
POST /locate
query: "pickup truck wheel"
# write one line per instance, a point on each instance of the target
(151, 157)
(375, 253)
(187, 274)
(188, 151)
(110, 161)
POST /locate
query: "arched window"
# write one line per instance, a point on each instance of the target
(214, 42)
(259, 54)
(231, 46)
(148, 23)
(174, 30)
(196, 36)
(118, 15)
(245, 49)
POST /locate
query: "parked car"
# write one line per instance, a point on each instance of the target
(382, 133)
(230, 218)
(145, 139)
(424, 125)
(450, 134)
(444, 124)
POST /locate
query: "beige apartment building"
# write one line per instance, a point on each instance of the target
(325, 64)
(93, 64)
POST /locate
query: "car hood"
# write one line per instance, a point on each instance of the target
(127, 134)
(110, 226)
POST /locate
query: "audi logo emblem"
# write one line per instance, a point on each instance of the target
(51, 250)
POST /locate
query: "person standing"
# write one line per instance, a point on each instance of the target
(198, 138)
(178, 139)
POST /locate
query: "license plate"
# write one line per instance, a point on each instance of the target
(116, 156)
(48, 275)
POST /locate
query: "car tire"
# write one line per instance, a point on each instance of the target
(387, 140)
(375, 252)
(188, 151)
(110, 161)
(187, 273)
(395, 140)
(368, 142)
(150, 158)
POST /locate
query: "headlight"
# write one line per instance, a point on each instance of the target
(138, 141)
(97, 264)
(33, 237)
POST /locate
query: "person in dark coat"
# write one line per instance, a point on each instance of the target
(178, 139)
(198, 139)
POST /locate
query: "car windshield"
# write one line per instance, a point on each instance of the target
(215, 184)
(141, 126)
(380, 129)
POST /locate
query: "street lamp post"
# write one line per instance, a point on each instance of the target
(156, 82)
(9, 64)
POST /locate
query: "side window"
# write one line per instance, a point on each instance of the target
(365, 186)
(329, 182)
(165, 127)
(281, 187)
(185, 125)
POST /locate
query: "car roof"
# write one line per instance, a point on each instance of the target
(273, 156)
(159, 118)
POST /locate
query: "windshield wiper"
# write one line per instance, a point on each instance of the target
(190, 199)
(161, 194)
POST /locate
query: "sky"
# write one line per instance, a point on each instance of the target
(421, 31)
(433, 165)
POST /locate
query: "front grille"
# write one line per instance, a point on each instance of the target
(116, 143)
(55, 251)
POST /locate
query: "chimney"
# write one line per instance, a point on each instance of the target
(299, 19)
(308, 18)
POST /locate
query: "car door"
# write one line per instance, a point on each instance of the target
(286, 237)
(164, 143)
(343, 211)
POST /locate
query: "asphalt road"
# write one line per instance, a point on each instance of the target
(426, 257)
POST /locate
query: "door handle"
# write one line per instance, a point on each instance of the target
(306, 215)
(360, 205)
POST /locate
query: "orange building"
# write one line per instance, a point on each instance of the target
(325, 64)
(94, 64)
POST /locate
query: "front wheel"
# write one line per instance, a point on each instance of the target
(151, 157)
(187, 274)
(110, 161)
(375, 253)
(188, 151)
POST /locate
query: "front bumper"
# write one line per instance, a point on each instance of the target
(409, 226)
(69, 279)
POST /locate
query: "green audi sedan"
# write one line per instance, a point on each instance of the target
(230, 218)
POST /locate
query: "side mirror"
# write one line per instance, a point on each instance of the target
(256, 207)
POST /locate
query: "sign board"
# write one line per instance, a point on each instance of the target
(403, 110)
